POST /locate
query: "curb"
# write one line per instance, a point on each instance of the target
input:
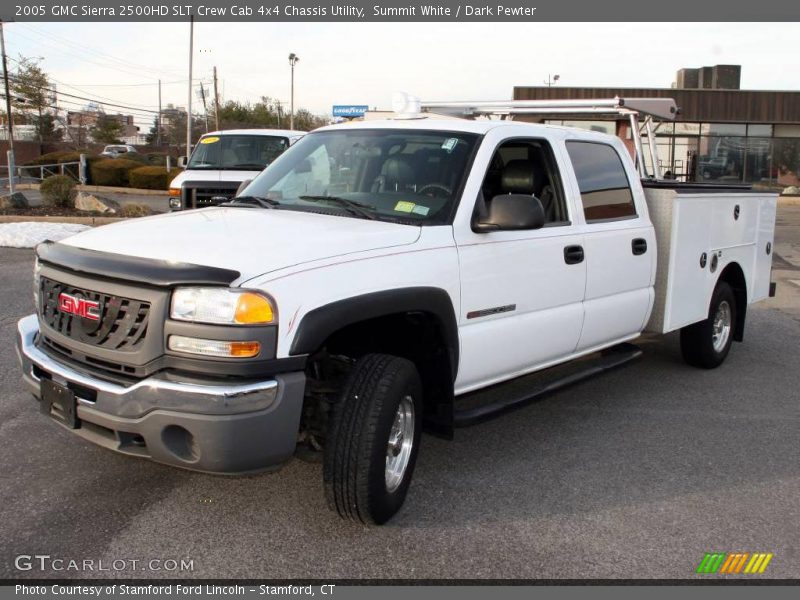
(103, 188)
(788, 200)
(94, 221)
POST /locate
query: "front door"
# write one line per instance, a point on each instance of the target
(521, 291)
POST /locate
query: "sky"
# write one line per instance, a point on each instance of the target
(364, 63)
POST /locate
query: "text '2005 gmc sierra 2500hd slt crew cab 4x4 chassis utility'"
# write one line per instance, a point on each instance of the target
(373, 276)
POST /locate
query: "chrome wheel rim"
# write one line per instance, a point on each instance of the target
(401, 441)
(722, 326)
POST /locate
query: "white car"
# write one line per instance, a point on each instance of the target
(118, 150)
(222, 160)
(371, 279)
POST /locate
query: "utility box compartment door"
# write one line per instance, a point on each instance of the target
(765, 242)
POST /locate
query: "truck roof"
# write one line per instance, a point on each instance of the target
(481, 126)
(281, 132)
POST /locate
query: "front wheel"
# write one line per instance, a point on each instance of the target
(707, 343)
(373, 439)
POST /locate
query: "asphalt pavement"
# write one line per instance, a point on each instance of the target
(636, 474)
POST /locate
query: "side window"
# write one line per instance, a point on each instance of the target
(526, 167)
(604, 186)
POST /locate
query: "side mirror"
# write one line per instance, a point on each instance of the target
(303, 167)
(241, 187)
(182, 162)
(511, 212)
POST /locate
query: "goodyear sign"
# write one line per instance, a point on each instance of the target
(349, 110)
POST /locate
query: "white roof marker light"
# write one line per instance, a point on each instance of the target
(406, 106)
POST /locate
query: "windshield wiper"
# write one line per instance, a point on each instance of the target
(258, 166)
(252, 200)
(351, 206)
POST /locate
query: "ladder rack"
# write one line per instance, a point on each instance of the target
(662, 109)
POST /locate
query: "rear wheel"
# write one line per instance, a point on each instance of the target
(707, 343)
(373, 439)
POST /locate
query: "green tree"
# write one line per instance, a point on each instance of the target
(46, 129)
(173, 130)
(33, 98)
(305, 120)
(107, 129)
(152, 136)
(266, 113)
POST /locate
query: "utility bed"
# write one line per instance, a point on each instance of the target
(699, 230)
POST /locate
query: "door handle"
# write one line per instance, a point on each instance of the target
(573, 255)
(639, 246)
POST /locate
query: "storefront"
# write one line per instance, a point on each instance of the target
(732, 136)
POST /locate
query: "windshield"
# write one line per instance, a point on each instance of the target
(387, 174)
(242, 152)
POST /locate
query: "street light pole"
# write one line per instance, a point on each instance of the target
(550, 82)
(293, 58)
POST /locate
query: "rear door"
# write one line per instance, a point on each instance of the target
(619, 244)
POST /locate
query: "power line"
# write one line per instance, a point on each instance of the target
(50, 36)
(96, 100)
(84, 58)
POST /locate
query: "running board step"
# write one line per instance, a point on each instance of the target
(608, 360)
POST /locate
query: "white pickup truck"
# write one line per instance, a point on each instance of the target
(367, 282)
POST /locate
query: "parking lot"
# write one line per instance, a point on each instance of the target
(633, 475)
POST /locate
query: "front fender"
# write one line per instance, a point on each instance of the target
(318, 325)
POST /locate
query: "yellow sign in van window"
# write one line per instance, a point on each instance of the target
(209, 140)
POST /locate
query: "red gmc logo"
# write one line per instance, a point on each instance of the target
(81, 307)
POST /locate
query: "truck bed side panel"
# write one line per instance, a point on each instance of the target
(692, 224)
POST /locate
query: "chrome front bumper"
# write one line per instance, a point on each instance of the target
(224, 428)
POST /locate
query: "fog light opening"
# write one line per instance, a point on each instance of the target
(181, 443)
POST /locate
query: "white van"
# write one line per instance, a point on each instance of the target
(222, 160)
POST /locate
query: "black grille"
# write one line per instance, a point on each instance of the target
(122, 324)
(209, 195)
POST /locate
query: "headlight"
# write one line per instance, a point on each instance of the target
(221, 306)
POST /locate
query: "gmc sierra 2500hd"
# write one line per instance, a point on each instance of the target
(373, 276)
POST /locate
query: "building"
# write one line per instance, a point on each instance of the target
(722, 133)
(80, 123)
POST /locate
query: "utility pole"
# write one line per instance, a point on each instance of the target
(216, 101)
(8, 91)
(205, 108)
(189, 101)
(10, 153)
(293, 58)
(158, 119)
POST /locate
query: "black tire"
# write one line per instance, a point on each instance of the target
(698, 340)
(354, 466)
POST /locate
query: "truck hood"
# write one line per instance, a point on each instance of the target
(252, 241)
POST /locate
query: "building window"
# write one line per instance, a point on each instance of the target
(604, 186)
(734, 129)
(609, 127)
(759, 131)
